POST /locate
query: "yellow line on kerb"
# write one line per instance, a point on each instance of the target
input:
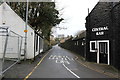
(35, 67)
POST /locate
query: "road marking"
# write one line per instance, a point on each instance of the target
(35, 67)
(58, 61)
(66, 62)
(65, 59)
(50, 56)
(62, 61)
(60, 57)
(71, 71)
(57, 58)
(72, 59)
(54, 57)
(68, 58)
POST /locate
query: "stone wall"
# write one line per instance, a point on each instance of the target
(105, 14)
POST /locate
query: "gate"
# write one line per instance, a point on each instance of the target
(10, 49)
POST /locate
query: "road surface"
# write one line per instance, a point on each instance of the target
(60, 63)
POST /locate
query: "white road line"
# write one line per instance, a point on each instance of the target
(68, 58)
(65, 59)
(76, 58)
(72, 59)
(50, 56)
(57, 61)
(57, 58)
(66, 62)
(71, 71)
(54, 57)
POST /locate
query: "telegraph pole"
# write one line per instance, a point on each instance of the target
(25, 48)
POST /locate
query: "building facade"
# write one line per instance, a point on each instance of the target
(16, 40)
(102, 27)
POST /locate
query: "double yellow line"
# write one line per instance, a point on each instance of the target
(35, 67)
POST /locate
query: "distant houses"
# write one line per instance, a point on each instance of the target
(75, 44)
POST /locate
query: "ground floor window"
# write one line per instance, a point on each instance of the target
(36, 43)
(101, 48)
(92, 46)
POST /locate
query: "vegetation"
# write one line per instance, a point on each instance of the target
(42, 16)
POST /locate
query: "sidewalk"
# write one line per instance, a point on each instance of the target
(101, 68)
(23, 69)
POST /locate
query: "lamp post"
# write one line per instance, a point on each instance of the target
(25, 48)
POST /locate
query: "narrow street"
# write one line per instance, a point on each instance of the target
(60, 63)
(87, 33)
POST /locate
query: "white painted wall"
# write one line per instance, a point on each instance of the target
(1, 50)
(37, 52)
(30, 43)
(16, 24)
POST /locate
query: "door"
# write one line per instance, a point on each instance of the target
(103, 52)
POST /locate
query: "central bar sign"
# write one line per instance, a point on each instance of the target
(100, 30)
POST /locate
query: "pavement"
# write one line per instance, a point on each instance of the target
(38, 67)
(101, 68)
(22, 69)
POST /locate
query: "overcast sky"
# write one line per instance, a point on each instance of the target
(74, 12)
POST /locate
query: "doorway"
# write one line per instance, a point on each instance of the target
(103, 52)
(101, 47)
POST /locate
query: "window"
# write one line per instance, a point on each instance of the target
(92, 46)
(36, 43)
(39, 44)
(103, 47)
(77, 43)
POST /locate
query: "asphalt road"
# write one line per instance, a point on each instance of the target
(60, 63)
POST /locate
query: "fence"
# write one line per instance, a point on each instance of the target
(10, 49)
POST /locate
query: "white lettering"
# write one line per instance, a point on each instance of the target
(61, 59)
(99, 33)
(99, 29)
(105, 28)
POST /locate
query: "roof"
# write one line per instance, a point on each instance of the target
(9, 17)
(81, 34)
